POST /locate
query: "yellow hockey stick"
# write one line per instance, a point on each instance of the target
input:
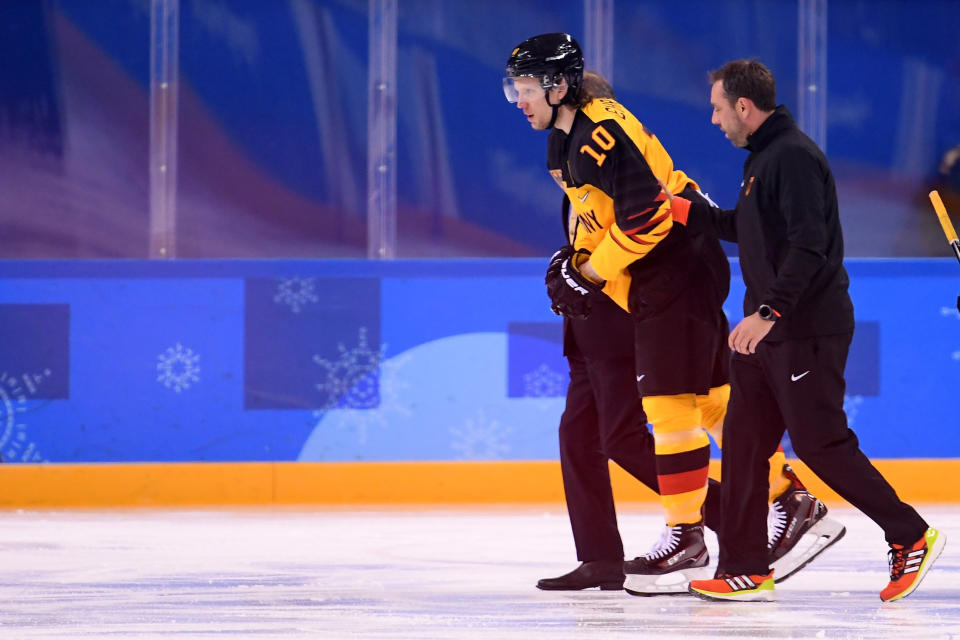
(948, 229)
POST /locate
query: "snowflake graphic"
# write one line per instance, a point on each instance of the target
(178, 367)
(15, 391)
(543, 382)
(393, 386)
(480, 438)
(851, 406)
(296, 293)
(352, 381)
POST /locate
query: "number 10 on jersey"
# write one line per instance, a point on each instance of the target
(604, 140)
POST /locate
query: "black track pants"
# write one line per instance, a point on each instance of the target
(797, 386)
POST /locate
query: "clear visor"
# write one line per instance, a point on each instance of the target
(522, 88)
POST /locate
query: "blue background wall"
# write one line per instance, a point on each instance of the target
(310, 359)
(273, 120)
(108, 361)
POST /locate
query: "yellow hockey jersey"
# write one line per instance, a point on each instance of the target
(611, 168)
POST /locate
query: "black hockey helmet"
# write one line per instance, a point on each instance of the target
(549, 57)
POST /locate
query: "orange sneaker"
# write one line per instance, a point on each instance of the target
(727, 586)
(908, 565)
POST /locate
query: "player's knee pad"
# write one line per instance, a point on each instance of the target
(672, 413)
(676, 422)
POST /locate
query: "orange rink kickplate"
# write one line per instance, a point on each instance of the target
(374, 483)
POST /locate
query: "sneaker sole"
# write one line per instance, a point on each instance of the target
(762, 595)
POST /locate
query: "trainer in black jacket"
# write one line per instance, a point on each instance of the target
(792, 262)
(790, 350)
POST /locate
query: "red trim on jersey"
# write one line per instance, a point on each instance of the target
(638, 238)
(627, 249)
(637, 215)
(651, 223)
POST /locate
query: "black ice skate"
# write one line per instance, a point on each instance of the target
(677, 558)
(798, 529)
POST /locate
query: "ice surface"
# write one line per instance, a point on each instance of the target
(430, 573)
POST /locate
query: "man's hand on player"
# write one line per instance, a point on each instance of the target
(679, 206)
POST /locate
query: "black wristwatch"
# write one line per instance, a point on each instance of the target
(767, 313)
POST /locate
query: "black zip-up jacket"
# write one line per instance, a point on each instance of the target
(788, 227)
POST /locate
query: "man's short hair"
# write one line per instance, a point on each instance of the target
(747, 79)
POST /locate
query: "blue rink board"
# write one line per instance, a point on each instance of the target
(129, 361)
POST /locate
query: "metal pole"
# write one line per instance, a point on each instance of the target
(598, 37)
(164, 46)
(382, 131)
(812, 69)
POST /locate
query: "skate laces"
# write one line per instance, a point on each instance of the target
(776, 522)
(667, 543)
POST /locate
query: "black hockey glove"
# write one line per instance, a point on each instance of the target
(569, 290)
(556, 260)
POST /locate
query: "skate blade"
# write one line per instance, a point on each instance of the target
(815, 541)
(673, 583)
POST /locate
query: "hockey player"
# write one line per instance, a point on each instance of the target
(673, 282)
(603, 420)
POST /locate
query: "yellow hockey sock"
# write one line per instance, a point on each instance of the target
(683, 455)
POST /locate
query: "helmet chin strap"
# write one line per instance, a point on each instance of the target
(556, 110)
(553, 118)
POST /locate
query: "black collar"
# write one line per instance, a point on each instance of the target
(778, 121)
